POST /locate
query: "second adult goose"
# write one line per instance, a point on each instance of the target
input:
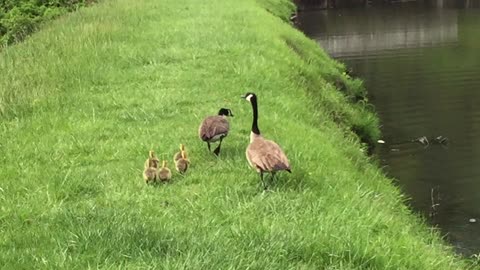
(262, 154)
(215, 128)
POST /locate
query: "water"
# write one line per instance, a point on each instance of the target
(421, 67)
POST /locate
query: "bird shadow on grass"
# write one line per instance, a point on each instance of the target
(283, 181)
(227, 153)
(297, 180)
(230, 153)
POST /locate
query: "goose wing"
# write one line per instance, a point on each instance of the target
(266, 155)
(212, 127)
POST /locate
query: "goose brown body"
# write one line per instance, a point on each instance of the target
(215, 128)
(266, 155)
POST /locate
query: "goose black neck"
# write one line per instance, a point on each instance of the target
(255, 129)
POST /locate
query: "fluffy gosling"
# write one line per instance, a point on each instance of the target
(164, 173)
(150, 168)
(182, 163)
(152, 160)
(150, 175)
(178, 155)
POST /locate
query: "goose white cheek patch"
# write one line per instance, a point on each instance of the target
(249, 97)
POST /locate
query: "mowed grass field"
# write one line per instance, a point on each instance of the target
(84, 100)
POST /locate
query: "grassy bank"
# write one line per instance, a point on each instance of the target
(83, 101)
(19, 18)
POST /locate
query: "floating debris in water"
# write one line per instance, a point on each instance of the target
(434, 140)
(472, 220)
(422, 140)
(395, 150)
(441, 140)
(381, 141)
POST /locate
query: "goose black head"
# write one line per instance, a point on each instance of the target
(226, 112)
(249, 96)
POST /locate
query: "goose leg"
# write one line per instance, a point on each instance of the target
(217, 150)
(273, 177)
(208, 144)
(263, 182)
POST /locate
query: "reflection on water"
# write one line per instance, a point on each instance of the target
(387, 30)
(324, 4)
(421, 67)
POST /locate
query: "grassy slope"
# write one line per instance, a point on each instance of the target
(19, 18)
(84, 100)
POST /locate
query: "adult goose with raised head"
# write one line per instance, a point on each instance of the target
(263, 155)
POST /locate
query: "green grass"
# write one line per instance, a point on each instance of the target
(83, 100)
(19, 18)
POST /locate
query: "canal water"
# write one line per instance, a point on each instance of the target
(421, 66)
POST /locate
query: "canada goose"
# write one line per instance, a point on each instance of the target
(182, 163)
(263, 155)
(215, 128)
(178, 155)
(164, 173)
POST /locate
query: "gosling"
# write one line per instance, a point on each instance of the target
(152, 160)
(178, 155)
(150, 168)
(182, 163)
(164, 173)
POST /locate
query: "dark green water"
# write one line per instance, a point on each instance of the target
(421, 67)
